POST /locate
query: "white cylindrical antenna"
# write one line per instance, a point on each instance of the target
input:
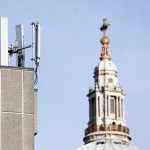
(37, 42)
(33, 32)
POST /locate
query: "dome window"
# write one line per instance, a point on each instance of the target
(102, 142)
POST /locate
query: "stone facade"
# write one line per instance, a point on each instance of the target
(18, 101)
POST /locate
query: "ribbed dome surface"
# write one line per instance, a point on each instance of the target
(108, 145)
(106, 64)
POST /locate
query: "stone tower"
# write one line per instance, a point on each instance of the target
(107, 125)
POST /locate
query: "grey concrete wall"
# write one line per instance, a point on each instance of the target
(17, 118)
(35, 112)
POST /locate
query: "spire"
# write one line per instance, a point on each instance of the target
(105, 41)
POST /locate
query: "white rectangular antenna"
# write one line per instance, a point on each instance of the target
(3, 41)
(37, 42)
(20, 45)
(20, 35)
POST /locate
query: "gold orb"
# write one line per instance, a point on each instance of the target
(105, 40)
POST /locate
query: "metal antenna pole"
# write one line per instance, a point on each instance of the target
(33, 26)
(9, 59)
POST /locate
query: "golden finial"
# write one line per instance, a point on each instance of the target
(105, 41)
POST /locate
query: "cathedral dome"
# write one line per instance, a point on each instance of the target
(105, 65)
(108, 144)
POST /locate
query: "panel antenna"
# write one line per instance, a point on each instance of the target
(19, 47)
(20, 44)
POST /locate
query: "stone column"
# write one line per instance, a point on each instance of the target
(96, 105)
(99, 106)
(120, 107)
(108, 105)
(117, 106)
(105, 105)
(123, 109)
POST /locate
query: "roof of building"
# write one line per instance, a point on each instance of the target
(106, 64)
(108, 144)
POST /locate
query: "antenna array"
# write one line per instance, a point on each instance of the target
(19, 48)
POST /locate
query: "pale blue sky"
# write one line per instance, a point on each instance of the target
(70, 51)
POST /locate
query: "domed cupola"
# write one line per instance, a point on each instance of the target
(106, 71)
(107, 128)
(106, 65)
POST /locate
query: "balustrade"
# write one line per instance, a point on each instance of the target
(110, 127)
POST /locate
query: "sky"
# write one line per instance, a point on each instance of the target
(70, 50)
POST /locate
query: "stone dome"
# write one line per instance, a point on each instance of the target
(106, 65)
(108, 145)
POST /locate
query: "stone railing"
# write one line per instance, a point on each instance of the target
(111, 127)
